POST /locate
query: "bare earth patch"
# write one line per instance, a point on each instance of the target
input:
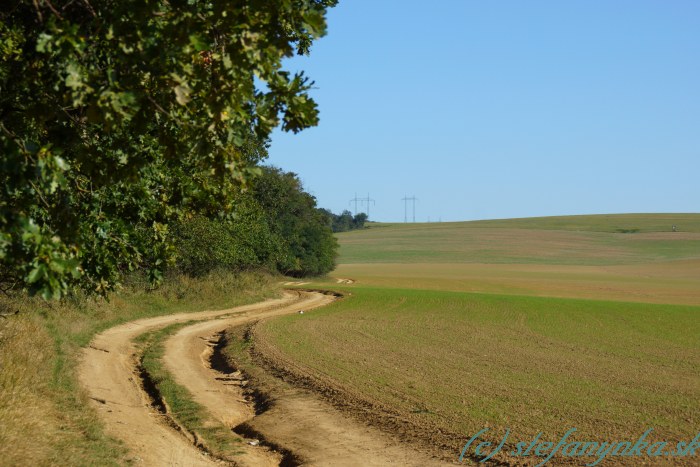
(297, 428)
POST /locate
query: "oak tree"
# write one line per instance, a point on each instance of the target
(118, 117)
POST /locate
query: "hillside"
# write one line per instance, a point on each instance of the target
(569, 240)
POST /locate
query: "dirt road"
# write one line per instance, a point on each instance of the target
(308, 430)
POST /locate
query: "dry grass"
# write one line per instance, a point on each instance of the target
(45, 416)
(28, 425)
(667, 282)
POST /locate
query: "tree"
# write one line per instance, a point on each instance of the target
(343, 222)
(358, 222)
(118, 118)
(308, 244)
(244, 241)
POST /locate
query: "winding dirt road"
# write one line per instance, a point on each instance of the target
(307, 430)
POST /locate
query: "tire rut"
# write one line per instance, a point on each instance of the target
(110, 371)
(289, 427)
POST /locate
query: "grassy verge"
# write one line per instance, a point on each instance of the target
(215, 438)
(46, 419)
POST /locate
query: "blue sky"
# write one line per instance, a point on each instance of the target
(494, 109)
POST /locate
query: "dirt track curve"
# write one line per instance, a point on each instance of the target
(310, 431)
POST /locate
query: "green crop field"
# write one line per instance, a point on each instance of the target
(574, 240)
(572, 256)
(562, 322)
(457, 362)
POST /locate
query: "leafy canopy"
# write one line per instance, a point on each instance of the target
(119, 117)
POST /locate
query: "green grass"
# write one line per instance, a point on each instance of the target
(458, 362)
(217, 438)
(582, 240)
(573, 256)
(46, 418)
(562, 332)
(613, 223)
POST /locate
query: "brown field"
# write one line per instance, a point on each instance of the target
(461, 243)
(676, 282)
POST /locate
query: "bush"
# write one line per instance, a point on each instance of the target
(241, 242)
(308, 245)
(276, 226)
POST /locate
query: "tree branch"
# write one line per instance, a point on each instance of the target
(41, 196)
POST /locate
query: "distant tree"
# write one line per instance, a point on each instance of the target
(345, 221)
(328, 215)
(308, 245)
(358, 222)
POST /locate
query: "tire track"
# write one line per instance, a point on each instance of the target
(109, 372)
(295, 428)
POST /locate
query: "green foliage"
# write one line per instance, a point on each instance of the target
(275, 225)
(40, 349)
(345, 221)
(246, 240)
(119, 118)
(309, 247)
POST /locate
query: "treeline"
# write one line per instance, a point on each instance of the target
(345, 221)
(275, 224)
(131, 138)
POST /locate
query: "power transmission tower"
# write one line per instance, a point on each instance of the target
(405, 200)
(367, 200)
(355, 200)
(405, 208)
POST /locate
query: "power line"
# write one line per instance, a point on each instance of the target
(405, 200)
(405, 207)
(367, 200)
(356, 199)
